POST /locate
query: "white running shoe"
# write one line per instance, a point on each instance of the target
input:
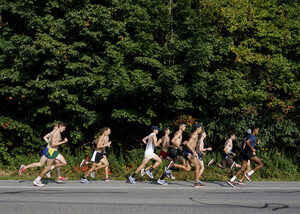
(131, 179)
(233, 165)
(83, 162)
(248, 177)
(38, 183)
(231, 183)
(149, 174)
(210, 162)
(143, 172)
(172, 176)
(93, 174)
(48, 174)
(162, 182)
(21, 170)
(84, 181)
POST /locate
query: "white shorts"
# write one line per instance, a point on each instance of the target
(150, 155)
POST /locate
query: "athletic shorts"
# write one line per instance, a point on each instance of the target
(246, 155)
(45, 150)
(188, 151)
(97, 157)
(173, 153)
(52, 154)
(163, 154)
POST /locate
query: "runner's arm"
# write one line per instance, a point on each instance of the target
(249, 144)
(174, 140)
(47, 137)
(144, 140)
(188, 145)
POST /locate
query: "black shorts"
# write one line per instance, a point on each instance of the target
(174, 153)
(247, 154)
(97, 157)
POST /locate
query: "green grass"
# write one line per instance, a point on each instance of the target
(278, 167)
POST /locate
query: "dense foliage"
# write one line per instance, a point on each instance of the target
(228, 64)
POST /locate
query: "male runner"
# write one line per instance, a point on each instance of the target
(164, 144)
(43, 157)
(192, 154)
(149, 154)
(227, 156)
(200, 151)
(175, 154)
(248, 168)
(99, 155)
(53, 154)
(248, 154)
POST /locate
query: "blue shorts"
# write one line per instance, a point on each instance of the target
(188, 151)
(45, 151)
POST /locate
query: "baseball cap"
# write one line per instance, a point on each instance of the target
(155, 128)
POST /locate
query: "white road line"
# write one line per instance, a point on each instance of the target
(154, 188)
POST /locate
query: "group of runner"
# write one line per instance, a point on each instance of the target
(182, 155)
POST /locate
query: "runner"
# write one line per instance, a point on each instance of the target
(175, 154)
(164, 144)
(248, 154)
(43, 157)
(52, 153)
(200, 152)
(149, 154)
(99, 155)
(227, 156)
(191, 154)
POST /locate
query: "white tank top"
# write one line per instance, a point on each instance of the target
(150, 146)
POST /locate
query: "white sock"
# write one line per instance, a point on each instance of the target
(232, 179)
(38, 178)
(52, 167)
(250, 173)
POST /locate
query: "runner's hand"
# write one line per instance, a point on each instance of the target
(209, 149)
(66, 140)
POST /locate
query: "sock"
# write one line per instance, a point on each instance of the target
(250, 173)
(171, 164)
(232, 179)
(58, 172)
(151, 169)
(133, 175)
(38, 178)
(163, 176)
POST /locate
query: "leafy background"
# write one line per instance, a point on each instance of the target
(129, 64)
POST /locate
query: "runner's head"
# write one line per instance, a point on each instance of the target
(62, 126)
(155, 129)
(232, 136)
(255, 131)
(104, 130)
(55, 126)
(167, 131)
(197, 128)
(182, 127)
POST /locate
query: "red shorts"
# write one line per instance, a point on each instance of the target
(163, 154)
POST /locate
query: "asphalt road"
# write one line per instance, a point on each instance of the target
(146, 197)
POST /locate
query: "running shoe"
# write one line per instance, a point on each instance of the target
(198, 185)
(149, 174)
(199, 182)
(172, 176)
(162, 182)
(84, 181)
(170, 165)
(83, 162)
(38, 183)
(233, 165)
(248, 177)
(210, 162)
(93, 174)
(108, 179)
(48, 174)
(61, 179)
(241, 182)
(231, 183)
(168, 172)
(143, 172)
(21, 170)
(131, 179)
